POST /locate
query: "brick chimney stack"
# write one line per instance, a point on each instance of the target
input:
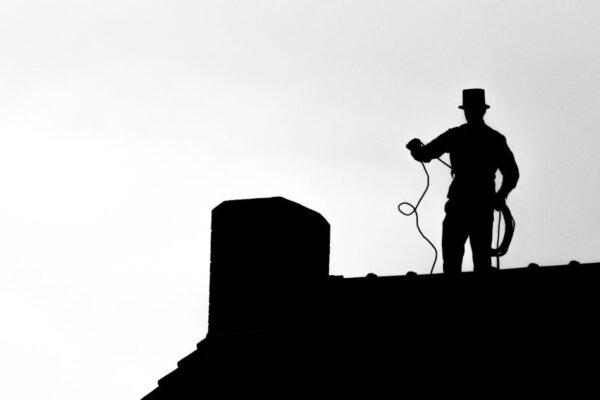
(267, 255)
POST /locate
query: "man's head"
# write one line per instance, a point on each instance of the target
(474, 105)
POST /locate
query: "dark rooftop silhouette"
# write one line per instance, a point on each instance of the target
(279, 324)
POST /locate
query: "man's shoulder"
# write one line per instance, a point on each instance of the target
(494, 132)
(497, 135)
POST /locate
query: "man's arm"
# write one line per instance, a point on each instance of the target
(510, 171)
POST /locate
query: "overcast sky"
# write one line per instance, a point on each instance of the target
(123, 123)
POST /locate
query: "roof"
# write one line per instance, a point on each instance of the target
(399, 332)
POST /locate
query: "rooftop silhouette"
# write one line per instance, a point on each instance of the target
(280, 324)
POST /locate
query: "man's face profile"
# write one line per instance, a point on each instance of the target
(474, 114)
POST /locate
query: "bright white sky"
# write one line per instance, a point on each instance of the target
(123, 123)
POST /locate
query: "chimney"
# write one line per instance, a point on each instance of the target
(267, 255)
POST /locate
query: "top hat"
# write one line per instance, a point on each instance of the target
(473, 98)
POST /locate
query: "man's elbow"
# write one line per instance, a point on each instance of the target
(517, 175)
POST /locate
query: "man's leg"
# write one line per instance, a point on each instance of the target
(454, 236)
(482, 224)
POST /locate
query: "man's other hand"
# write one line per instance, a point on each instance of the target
(414, 144)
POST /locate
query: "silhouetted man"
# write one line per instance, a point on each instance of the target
(476, 153)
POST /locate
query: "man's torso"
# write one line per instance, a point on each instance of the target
(475, 154)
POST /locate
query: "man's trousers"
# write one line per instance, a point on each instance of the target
(467, 219)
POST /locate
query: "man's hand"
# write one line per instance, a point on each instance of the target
(414, 144)
(499, 201)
